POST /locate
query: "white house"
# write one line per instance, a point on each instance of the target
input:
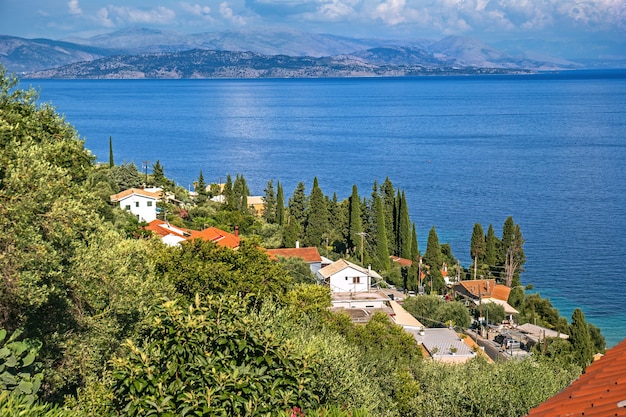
(345, 277)
(141, 203)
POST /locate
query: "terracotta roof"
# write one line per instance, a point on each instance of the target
(127, 193)
(309, 254)
(402, 261)
(213, 234)
(501, 292)
(218, 236)
(599, 392)
(478, 287)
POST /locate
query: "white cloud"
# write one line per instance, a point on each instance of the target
(196, 9)
(102, 17)
(131, 15)
(74, 7)
(227, 13)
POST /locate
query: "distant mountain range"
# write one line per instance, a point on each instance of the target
(147, 53)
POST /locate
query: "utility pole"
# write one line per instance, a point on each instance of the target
(362, 234)
(145, 165)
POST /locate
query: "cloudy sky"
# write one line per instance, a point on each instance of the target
(568, 28)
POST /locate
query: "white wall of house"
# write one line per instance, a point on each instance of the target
(141, 206)
(349, 280)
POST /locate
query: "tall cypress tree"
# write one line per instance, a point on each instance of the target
(387, 193)
(269, 203)
(382, 250)
(582, 345)
(200, 187)
(280, 205)
(111, 163)
(355, 225)
(298, 204)
(317, 220)
(491, 247)
(433, 257)
(158, 175)
(227, 192)
(477, 246)
(404, 229)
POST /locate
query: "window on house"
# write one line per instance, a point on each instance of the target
(127, 207)
(356, 280)
(149, 203)
(136, 203)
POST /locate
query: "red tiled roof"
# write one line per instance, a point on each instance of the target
(213, 234)
(218, 236)
(126, 193)
(402, 261)
(309, 254)
(599, 392)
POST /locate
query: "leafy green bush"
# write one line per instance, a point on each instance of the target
(17, 366)
(213, 358)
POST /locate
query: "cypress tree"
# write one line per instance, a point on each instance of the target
(200, 187)
(580, 337)
(111, 163)
(317, 220)
(298, 204)
(158, 176)
(355, 225)
(477, 246)
(404, 229)
(227, 192)
(280, 205)
(433, 257)
(491, 247)
(382, 249)
(269, 203)
(387, 193)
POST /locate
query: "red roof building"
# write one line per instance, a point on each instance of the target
(599, 392)
(172, 235)
(309, 255)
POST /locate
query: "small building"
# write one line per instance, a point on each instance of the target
(345, 277)
(481, 291)
(442, 344)
(310, 255)
(141, 203)
(173, 236)
(256, 204)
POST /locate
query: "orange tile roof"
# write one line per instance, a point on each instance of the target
(218, 236)
(213, 234)
(126, 193)
(402, 261)
(599, 392)
(308, 254)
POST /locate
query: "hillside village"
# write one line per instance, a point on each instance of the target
(360, 291)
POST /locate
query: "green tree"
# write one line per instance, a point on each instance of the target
(382, 248)
(491, 248)
(453, 314)
(111, 162)
(298, 204)
(580, 338)
(125, 176)
(354, 237)
(512, 252)
(240, 194)
(158, 175)
(239, 366)
(200, 187)
(477, 246)
(269, 203)
(227, 192)
(434, 259)
(424, 308)
(280, 204)
(388, 193)
(404, 229)
(317, 219)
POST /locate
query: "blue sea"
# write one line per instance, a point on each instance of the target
(548, 149)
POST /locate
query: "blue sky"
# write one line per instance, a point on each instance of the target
(563, 27)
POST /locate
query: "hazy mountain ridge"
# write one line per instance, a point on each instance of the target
(128, 52)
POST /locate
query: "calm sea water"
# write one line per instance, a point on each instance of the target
(549, 150)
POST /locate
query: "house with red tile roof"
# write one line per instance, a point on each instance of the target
(599, 392)
(173, 236)
(485, 291)
(310, 255)
(142, 203)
